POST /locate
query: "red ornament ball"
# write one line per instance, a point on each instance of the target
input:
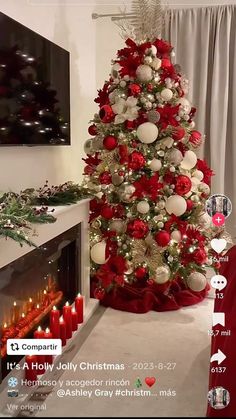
(92, 130)
(105, 178)
(137, 229)
(99, 293)
(107, 211)
(162, 238)
(183, 185)
(140, 272)
(178, 133)
(135, 89)
(195, 138)
(189, 203)
(106, 113)
(110, 142)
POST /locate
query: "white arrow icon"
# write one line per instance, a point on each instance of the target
(218, 356)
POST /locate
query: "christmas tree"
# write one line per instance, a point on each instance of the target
(29, 111)
(148, 220)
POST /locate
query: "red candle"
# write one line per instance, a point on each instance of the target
(74, 317)
(40, 334)
(68, 319)
(79, 306)
(54, 323)
(30, 369)
(62, 331)
(48, 335)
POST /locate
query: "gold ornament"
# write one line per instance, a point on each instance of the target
(146, 251)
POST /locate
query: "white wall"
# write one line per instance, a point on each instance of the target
(92, 45)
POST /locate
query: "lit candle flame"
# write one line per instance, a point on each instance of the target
(5, 325)
(61, 320)
(39, 328)
(79, 295)
(47, 330)
(54, 308)
(30, 300)
(23, 315)
(45, 292)
(67, 304)
(73, 310)
(37, 306)
(14, 304)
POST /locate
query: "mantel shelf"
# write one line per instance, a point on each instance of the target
(67, 217)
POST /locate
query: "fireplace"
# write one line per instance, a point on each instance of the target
(31, 285)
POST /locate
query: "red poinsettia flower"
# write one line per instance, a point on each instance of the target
(129, 65)
(168, 116)
(136, 161)
(103, 95)
(95, 207)
(175, 223)
(133, 48)
(162, 46)
(92, 162)
(146, 186)
(202, 165)
(112, 271)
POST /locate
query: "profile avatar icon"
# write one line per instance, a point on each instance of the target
(218, 397)
(218, 204)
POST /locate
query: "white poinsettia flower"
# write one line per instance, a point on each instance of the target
(119, 105)
(125, 109)
(131, 101)
(119, 119)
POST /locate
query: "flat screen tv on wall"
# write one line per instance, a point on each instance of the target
(34, 88)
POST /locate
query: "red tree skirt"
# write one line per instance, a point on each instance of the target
(140, 298)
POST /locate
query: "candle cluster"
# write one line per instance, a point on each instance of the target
(22, 322)
(61, 327)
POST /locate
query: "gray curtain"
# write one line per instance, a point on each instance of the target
(204, 39)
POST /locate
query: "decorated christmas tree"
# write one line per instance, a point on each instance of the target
(148, 222)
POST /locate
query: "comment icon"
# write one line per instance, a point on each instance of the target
(218, 282)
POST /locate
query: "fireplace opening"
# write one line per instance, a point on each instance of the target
(32, 285)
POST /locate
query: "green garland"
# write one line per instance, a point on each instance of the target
(19, 211)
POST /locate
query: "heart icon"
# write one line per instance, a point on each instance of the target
(218, 245)
(150, 381)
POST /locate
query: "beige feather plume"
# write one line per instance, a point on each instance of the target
(146, 21)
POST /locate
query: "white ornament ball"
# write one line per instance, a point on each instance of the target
(162, 274)
(195, 182)
(176, 236)
(144, 73)
(156, 64)
(98, 253)
(176, 205)
(148, 60)
(153, 49)
(147, 132)
(198, 174)
(197, 281)
(185, 104)
(203, 187)
(143, 207)
(189, 160)
(118, 226)
(155, 165)
(175, 156)
(166, 94)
